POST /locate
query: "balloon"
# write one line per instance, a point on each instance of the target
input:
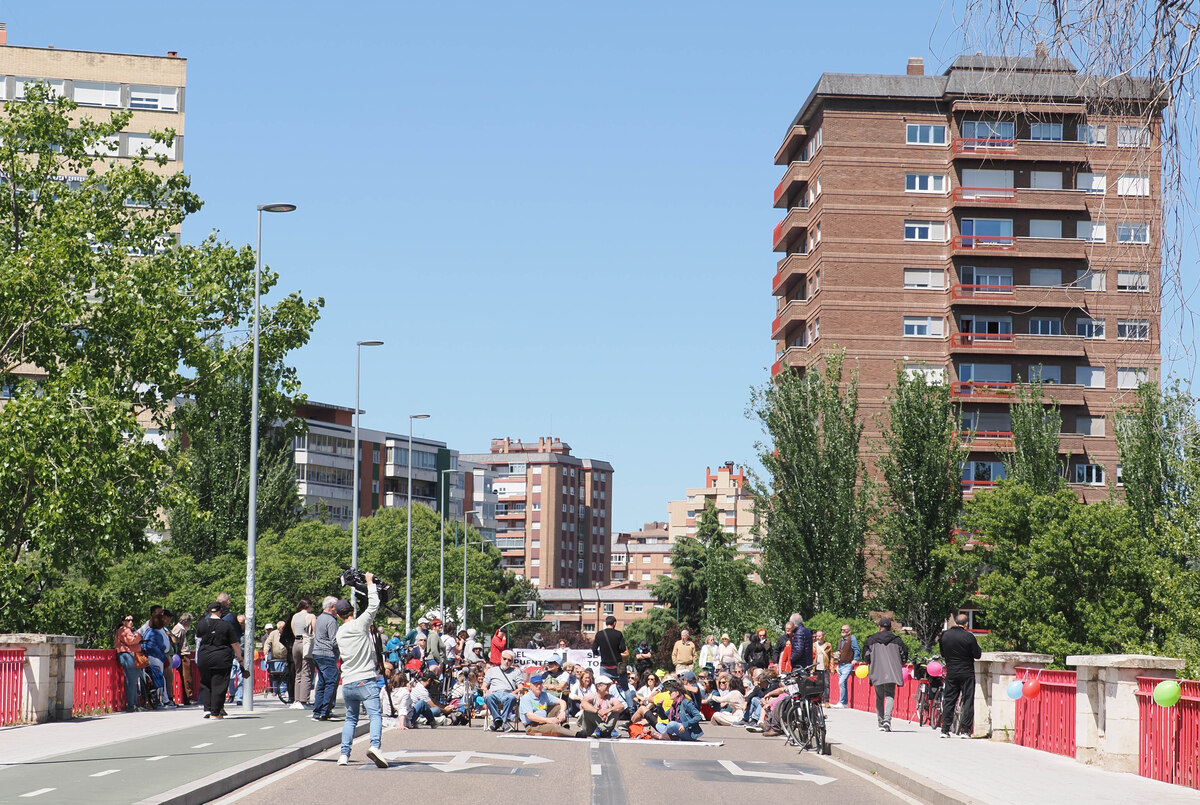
(934, 668)
(1032, 689)
(1167, 693)
(176, 661)
(1015, 689)
(862, 671)
(906, 675)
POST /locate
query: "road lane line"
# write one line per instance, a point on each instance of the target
(104, 773)
(38, 793)
(267, 727)
(201, 746)
(237, 735)
(874, 780)
(290, 721)
(595, 769)
(157, 757)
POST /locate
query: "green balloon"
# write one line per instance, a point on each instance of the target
(1167, 693)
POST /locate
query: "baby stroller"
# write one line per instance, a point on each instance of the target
(151, 682)
(277, 676)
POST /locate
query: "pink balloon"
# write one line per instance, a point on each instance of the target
(907, 675)
(1031, 689)
(934, 668)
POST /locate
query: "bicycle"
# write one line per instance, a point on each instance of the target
(929, 693)
(802, 718)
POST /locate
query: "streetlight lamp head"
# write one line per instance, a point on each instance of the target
(276, 207)
(418, 416)
(369, 343)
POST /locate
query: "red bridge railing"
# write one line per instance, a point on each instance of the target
(99, 682)
(12, 667)
(1048, 721)
(1169, 739)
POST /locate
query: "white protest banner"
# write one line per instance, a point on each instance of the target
(538, 657)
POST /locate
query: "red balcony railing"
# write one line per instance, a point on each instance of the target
(976, 389)
(987, 435)
(984, 340)
(971, 486)
(986, 195)
(985, 242)
(776, 233)
(777, 367)
(971, 291)
(975, 145)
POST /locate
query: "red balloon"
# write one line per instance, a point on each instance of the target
(1031, 689)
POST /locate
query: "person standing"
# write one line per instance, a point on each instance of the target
(303, 625)
(959, 650)
(781, 654)
(610, 646)
(823, 659)
(435, 649)
(683, 653)
(847, 654)
(180, 635)
(219, 648)
(129, 644)
(708, 654)
(155, 644)
(886, 654)
(758, 653)
(499, 644)
(325, 655)
(356, 646)
(727, 653)
(235, 670)
(802, 643)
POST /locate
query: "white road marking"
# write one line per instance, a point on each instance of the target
(201, 746)
(237, 735)
(290, 721)
(38, 793)
(242, 793)
(157, 757)
(104, 773)
(266, 728)
(738, 771)
(896, 792)
(595, 769)
(595, 744)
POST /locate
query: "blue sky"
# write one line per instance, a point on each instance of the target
(557, 216)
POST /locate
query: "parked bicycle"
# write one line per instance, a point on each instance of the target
(802, 717)
(929, 690)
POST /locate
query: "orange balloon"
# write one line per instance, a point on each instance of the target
(1031, 689)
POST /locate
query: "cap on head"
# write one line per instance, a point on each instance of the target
(553, 662)
(885, 623)
(422, 620)
(343, 608)
(215, 606)
(536, 679)
(603, 680)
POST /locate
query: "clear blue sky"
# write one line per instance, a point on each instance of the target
(557, 217)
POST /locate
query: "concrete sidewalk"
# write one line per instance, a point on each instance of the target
(957, 770)
(164, 756)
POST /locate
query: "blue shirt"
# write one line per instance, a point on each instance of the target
(393, 650)
(540, 705)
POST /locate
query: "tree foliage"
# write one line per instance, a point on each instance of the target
(1036, 426)
(815, 507)
(921, 471)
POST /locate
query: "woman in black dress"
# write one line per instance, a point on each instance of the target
(218, 646)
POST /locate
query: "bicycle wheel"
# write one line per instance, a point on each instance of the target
(788, 720)
(922, 708)
(816, 720)
(935, 713)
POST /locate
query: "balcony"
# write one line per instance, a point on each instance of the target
(1056, 345)
(794, 311)
(797, 173)
(977, 244)
(996, 392)
(790, 358)
(971, 487)
(791, 145)
(983, 341)
(1007, 245)
(792, 231)
(1025, 150)
(1020, 296)
(786, 269)
(510, 543)
(1023, 198)
(988, 439)
(985, 195)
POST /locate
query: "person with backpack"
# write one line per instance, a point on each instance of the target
(609, 646)
(885, 654)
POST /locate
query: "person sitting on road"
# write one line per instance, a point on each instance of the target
(422, 703)
(555, 679)
(600, 712)
(396, 698)
(771, 693)
(501, 687)
(682, 718)
(730, 702)
(585, 688)
(541, 713)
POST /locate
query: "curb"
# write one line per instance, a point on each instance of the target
(918, 785)
(229, 780)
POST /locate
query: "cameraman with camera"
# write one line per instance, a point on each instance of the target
(359, 673)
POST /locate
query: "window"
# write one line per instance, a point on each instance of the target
(153, 147)
(161, 98)
(1090, 280)
(1130, 377)
(986, 471)
(628, 607)
(985, 183)
(645, 576)
(58, 87)
(1089, 328)
(1045, 228)
(923, 134)
(645, 559)
(1092, 231)
(1133, 233)
(105, 146)
(1089, 425)
(924, 326)
(1092, 135)
(987, 231)
(608, 609)
(934, 375)
(985, 372)
(1045, 277)
(1133, 281)
(1041, 326)
(982, 278)
(1133, 185)
(1091, 377)
(924, 278)
(1091, 182)
(1090, 474)
(925, 230)
(535, 562)
(1133, 137)
(925, 183)
(1046, 131)
(992, 131)
(1046, 374)
(1046, 180)
(1133, 330)
(97, 93)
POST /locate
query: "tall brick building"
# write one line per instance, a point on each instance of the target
(984, 226)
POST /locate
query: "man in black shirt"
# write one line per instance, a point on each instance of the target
(960, 650)
(610, 645)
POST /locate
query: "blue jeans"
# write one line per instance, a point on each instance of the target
(753, 711)
(500, 705)
(676, 731)
(844, 670)
(132, 673)
(326, 686)
(235, 682)
(425, 710)
(365, 692)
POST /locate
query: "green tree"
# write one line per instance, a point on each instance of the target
(104, 322)
(921, 470)
(651, 629)
(1036, 426)
(684, 589)
(816, 508)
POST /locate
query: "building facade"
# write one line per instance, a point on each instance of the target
(996, 223)
(640, 558)
(585, 610)
(553, 511)
(726, 488)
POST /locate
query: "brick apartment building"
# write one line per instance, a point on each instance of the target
(585, 610)
(983, 226)
(553, 511)
(726, 488)
(640, 558)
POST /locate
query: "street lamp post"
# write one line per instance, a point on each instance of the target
(444, 504)
(252, 532)
(408, 571)
(466, 541)
(358, 345)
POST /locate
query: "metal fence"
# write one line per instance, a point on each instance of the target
(99, 682)
(1169, 737)
(12, 667)
(1047, 722)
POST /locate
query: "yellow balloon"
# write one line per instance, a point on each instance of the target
(862, 671)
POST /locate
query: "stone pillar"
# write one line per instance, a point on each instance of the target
(49, 683)
(1106, 709)
(995, 713)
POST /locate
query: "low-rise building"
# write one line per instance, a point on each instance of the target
(585, 610)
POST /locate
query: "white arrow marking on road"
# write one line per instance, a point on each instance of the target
(459, 761)
(737, 771)
(104, 773)
(201, 746)
(37, 793)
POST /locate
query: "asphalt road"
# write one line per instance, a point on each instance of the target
(473, 764)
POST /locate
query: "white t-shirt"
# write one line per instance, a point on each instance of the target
(580, 693)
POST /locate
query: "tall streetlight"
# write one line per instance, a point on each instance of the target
(358, 345)
(408, 571)
(252, 533)
(444, 503)
(466, 542)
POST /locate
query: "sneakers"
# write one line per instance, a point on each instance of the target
(966, 735)
(344, 760)
(296, 706)
(771, 733)
(497, 725)
(887, 727)
(838, 706)
(944, 735)
(754, 728)
(508, 726)
(374, 754)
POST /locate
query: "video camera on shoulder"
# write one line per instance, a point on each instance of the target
(357, 580)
